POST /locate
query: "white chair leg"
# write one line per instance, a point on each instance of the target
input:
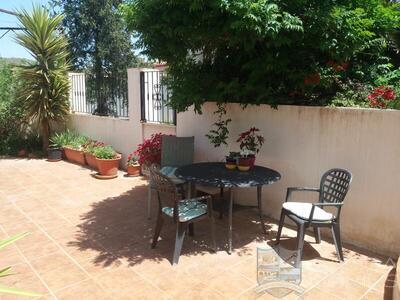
(149, 198)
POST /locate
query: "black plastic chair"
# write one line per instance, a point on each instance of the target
(184, 212)
(333, 188)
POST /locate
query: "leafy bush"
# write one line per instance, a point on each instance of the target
(105, 152)
(91, 145)
(13, 134)
(257, 51)
(149, 151)
(69, 139)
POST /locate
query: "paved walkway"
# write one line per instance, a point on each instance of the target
(89, 239)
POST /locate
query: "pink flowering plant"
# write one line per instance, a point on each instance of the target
(250, 141)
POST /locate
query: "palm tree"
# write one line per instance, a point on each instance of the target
(44, 84)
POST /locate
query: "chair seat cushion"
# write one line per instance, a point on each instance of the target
(170, 173)
(303, 210)
(188, 210)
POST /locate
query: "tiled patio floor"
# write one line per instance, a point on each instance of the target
(89, 239)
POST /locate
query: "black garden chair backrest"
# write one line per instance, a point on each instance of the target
(334, 186)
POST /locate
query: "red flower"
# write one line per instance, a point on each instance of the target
(381, 96)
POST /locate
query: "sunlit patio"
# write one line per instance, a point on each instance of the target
(92, 238)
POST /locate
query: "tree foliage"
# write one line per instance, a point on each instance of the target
(44, 84)
(100, 45)
(263, 51)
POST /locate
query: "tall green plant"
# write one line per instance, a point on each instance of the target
(44, 83)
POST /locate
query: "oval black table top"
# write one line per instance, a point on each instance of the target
(215, 174)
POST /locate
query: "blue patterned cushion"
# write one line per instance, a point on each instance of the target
(170, 173)
(188, 209)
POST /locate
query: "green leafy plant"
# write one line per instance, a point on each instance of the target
(44, 84)
(105, 152)
(69, 139)
(220, 132)
(7, 270)
(91, 145)
(132, 159)
(257, 51)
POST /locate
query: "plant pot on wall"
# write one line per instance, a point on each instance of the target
(133, 170)
(74, 155)
(54, 154)
(108, 167)
(91, 160)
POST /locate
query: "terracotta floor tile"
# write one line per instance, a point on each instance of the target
(85, 290)
(319, 294)
(50, 262)
(342, 287)
(230, 284)
(357, 272)
(373, 295)
(102, 227)
(63, 276)
(119, 280)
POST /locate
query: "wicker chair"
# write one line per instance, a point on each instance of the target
(333, 188)
(175, 152)
(182, 211)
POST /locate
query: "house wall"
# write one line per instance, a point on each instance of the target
(124, 134)
(302, 143)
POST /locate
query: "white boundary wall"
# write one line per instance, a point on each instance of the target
(124, 134)
(302, 143)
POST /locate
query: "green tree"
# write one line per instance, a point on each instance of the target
(262, 51)
(44, 84)
(100, 43)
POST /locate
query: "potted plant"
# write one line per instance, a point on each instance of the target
(149, 152)
(132, 165)
(232, 160)
(74, 148)
(107, 161)
(88, 150)
(250, 144)
(54, 152)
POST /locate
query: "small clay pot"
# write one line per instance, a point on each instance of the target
(75, 156)
(133, 170)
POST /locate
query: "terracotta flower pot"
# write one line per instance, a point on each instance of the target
(108, 167)
(91, 160)
(133, 170)
(75, 156)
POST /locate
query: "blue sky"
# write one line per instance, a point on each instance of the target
(9, 48)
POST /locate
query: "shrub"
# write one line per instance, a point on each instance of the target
(91, 145)
(149, 151)
(69, 139)
(105, 152)
(257, 51)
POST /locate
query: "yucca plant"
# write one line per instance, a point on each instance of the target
(6, 271)
(44, 84)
